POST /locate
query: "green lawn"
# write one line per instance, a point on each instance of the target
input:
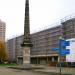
(7, 65)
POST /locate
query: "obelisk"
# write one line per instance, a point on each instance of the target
(26, 41)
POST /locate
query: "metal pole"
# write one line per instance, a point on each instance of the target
(60, 55)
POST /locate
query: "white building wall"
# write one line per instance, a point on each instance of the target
(71, 57)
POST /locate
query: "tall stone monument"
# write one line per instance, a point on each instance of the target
(26, 41)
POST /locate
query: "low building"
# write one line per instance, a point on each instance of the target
(44, 41)
(11, 47)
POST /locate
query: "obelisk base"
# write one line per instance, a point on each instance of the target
(26, 58)
(26, 66)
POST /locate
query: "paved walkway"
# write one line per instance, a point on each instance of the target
(45, 71)
(9, 71)
(65, 70)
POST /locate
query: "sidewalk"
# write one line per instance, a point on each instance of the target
(48, 69)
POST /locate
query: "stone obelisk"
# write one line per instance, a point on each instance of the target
(26, 41)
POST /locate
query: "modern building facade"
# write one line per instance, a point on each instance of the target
(68, 28)
(11, 47)
(14, 48)
(19, 49)
(44, 41)
(2, 31)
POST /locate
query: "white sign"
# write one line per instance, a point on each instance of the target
(71, 57)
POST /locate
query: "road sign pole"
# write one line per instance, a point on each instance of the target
(62, 50)
(60, 62)
(60, 55)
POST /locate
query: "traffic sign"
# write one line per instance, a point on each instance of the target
(64, 43)
(55, 49)
(62, 47)
(64, 52)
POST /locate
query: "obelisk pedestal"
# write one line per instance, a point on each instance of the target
(26, 58)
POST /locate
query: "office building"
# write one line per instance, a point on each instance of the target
(11, 47)
(44, 41)
(2, 31)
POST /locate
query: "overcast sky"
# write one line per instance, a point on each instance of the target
(43, 13)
